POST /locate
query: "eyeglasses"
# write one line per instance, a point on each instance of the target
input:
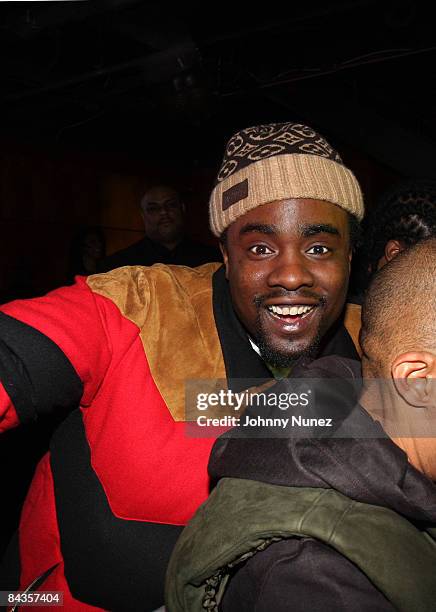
(154, 209)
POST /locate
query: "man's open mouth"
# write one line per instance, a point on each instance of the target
(296, 311)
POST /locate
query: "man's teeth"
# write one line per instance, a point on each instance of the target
(290, 310)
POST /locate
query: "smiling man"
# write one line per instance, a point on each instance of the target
(122, 477)
(287, 263)
(286, 210)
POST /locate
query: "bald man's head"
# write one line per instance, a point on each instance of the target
(399, 310)
(162, 213)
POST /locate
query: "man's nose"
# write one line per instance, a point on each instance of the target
(164, 210)
(291, 271)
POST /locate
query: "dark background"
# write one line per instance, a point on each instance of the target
(101, 99)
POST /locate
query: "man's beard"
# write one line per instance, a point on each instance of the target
(278, 358)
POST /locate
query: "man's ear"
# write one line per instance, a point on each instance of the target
(225, 255)
(392, 248)
(414, 375)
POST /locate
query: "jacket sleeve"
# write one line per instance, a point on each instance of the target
(54, 352)
(300, 575)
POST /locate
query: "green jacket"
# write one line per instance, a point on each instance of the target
(242, 517)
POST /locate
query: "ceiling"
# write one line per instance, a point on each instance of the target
(168, 82)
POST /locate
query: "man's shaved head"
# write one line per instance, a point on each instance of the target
(399, 310)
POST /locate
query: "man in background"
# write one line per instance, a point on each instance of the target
(165, 241)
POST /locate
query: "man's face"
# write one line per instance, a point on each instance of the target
(162, 213)
(288, 263)
(93, 246)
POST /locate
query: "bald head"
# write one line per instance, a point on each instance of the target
(400, 305)
(162, 213)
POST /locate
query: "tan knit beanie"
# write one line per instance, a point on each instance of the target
(276, 162)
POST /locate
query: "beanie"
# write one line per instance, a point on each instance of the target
(275, 162)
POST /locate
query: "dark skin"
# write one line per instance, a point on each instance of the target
(392, 249)
(291, 254)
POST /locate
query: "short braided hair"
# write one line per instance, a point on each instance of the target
(406, 212)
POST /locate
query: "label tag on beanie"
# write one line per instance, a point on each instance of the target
(235, 194)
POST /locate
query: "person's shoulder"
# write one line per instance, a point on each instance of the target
(192, 280)
(302, 574)
(140, 282)
(133, 254)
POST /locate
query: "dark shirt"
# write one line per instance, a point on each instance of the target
(302, 574)
(146, 253)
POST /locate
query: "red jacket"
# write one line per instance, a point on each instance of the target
(122, 476)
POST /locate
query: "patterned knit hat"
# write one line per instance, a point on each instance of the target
(276, 162)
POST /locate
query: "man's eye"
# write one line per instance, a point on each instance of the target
(318, 249)
(260, 249)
